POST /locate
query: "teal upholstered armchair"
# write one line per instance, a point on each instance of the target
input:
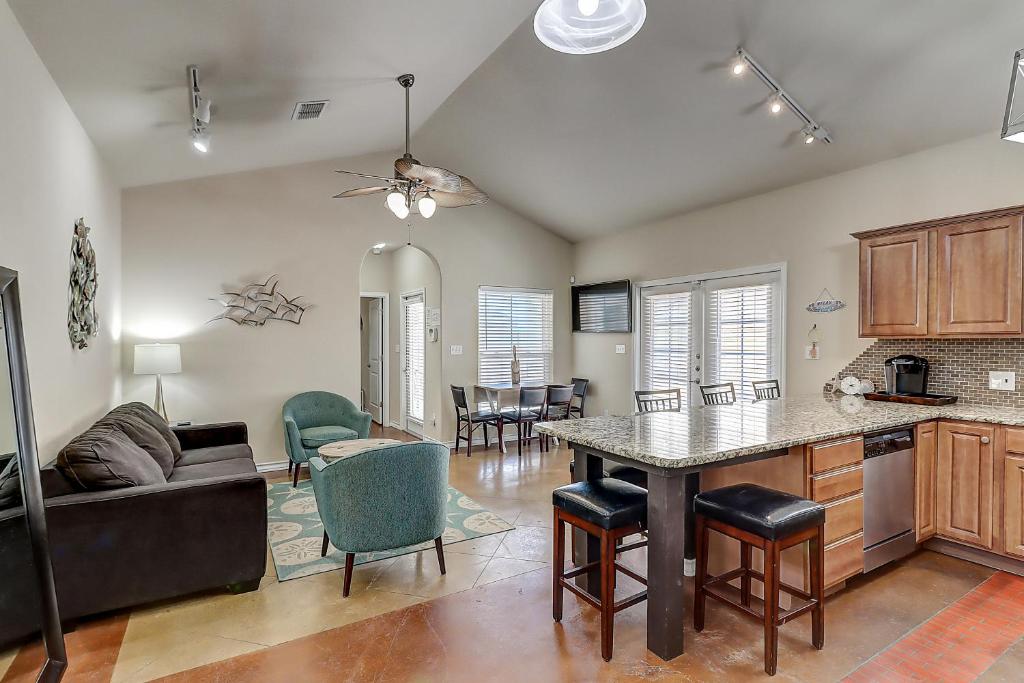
(381, 499)
(317, 418)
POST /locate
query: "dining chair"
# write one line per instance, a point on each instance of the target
(659, 400)
(557, 406)
(765, 389)
(470, 420)
(718, 394)
(528, 410)
(579, 392)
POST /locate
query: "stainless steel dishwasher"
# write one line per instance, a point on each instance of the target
(888, 496)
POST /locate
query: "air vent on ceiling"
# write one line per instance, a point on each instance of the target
(305, 111)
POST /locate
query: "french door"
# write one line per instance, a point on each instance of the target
(710, 329)
(413, 358)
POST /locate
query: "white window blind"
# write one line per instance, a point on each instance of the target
(510, 317)
(742, 334)
(603, 308)
(666, 340)
(414, 355)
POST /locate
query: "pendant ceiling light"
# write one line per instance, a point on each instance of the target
(583, 27)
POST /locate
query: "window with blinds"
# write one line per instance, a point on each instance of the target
(414, 333)
(741, 336)
(666, 339)
(521, 318)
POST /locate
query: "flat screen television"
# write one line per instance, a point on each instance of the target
(602, 307)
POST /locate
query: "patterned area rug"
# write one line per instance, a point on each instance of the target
(296, 532)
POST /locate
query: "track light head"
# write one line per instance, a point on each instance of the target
(200, 140)
(775, 104)
(738, 66)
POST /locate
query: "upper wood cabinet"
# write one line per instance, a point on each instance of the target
(952, 277)
(963, 482)
(894, 285)
(979, 277)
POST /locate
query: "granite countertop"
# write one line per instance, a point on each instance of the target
(708, 434)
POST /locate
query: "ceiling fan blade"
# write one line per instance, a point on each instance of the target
(471, 195)
(361, 192)
(434, 177)
(367, 175)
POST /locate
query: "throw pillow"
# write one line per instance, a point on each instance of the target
(105, 458)
(144, 435)
(159, 423)
(10, 485)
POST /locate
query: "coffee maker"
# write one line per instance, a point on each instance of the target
(906, 375)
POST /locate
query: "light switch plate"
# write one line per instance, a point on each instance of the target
(1002, 381)
(398, 349)
(620, 348)
(456, 349)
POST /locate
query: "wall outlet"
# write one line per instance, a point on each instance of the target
(1002, 381)
(398, 348)
(456, 349)
(620, 348)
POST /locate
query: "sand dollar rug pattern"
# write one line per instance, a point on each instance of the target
(295, 531)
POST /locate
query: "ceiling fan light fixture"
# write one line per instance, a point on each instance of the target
(565, 25)
(402, 212)
(395, 201)
(427, 205)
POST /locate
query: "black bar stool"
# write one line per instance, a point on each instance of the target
(609, 509)
(771, 520)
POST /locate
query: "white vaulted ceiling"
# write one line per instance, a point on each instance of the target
(583, 145)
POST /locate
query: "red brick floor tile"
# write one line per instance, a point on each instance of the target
(958, 644)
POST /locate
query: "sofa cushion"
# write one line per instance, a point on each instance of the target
(144, 435)
(10, 485)
(197, 456)
(105, 458)
(155, 420)
(206, 470)
(315, 437)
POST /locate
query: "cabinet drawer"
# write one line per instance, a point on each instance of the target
(837, 484)
(844, 559)
(844, 517)
(830, 456)
(1014, 440)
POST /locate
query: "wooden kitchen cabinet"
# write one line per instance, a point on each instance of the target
(925, 446)
(963, 482)
(979, 279)
(894, 285)
(952, 277)
(1013, 492)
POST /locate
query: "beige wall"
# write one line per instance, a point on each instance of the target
(187, 241)
(807, 226)
(51, 175)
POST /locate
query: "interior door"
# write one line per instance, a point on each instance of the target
(375, 360)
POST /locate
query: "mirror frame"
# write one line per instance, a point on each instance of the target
(31, 489)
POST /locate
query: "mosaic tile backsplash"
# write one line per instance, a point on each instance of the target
(958, 367)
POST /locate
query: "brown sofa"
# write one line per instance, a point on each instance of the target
(204, 527)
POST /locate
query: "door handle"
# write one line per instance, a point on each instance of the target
(985, 439)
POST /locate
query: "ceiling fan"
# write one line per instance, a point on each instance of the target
(425, 187)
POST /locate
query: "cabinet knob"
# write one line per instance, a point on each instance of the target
(985, 439)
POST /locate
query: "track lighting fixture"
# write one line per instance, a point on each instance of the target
(199, 108)
(780, 99)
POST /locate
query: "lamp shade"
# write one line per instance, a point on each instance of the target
(157, 359)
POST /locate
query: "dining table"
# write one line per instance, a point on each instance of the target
(499, 395)
(673, 448)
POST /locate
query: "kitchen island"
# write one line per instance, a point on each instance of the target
(817, 441)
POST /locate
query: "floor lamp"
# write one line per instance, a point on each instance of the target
(159, 360)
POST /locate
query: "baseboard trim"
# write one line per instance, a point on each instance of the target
(275, 466)
(975, 555)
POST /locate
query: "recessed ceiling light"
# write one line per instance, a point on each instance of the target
(583, 27)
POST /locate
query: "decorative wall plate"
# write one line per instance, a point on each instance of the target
(826, 303)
